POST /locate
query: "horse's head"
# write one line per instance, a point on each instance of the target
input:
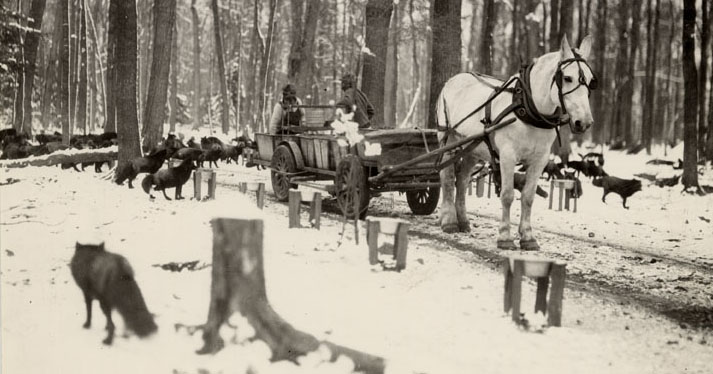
(572, 83)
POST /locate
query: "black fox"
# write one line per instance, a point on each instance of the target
(623, 187)
(169, 178)
(108, 277)
(147, 164)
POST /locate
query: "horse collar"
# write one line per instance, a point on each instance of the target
(527, 111)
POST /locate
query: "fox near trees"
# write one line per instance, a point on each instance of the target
(109, 278)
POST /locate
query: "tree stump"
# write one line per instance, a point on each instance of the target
(238, 284)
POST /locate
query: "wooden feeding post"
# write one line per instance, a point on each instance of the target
(257, 187)
(315, 208)
(207, 175)
(548, 273)
(490, 182)
(238, 286)
(390, 226)
(479, 186)
(566, 188)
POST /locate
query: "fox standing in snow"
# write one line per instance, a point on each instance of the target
(168, 178)
(108, 277)
(150, 163)
(623, 187)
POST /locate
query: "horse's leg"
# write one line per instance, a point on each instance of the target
(463, 179)
(507, 176)
(449, 222)
(527, 241)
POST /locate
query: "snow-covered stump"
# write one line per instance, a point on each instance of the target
(389, 226)
(315, 208)
(548, 274)
(238, 285)
(199, 176)
(565, 186)
(257, 187)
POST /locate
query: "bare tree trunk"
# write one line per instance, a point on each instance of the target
(378, 14)
(554, 24)
(703, 76)
(391, 81)
(622, 62)
(64, 107)
(514, 36)
(122, 18)
(600, 109)
(531, 30)
(416, 83)
(446, 48)
(650, 92)
(197, 121)
(164, 21)
(629, 86)
(220, 52)
(111, 78)
(265, 63)
(690, 82)
(566, 17)
(25, 81)
(82, 69)
(485, 56)
(173, 114)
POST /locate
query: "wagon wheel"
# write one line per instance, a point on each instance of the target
(283, 163)
(351, 185)
(423, 202)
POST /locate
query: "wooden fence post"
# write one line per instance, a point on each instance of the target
(295, 199)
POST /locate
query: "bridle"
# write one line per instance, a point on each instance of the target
(581, 81)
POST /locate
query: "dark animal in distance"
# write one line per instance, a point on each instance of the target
(676, 165)
(593, 157)
(667, 182)
(174, 177)
(577, 191)
(623, 187)
(146, 164)
(109, 278)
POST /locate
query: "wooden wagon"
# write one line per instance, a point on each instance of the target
(409, 161)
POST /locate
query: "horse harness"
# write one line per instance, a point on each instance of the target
(523, 105)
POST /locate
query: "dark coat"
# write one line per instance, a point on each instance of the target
(364, 110)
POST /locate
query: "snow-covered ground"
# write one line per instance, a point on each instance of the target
(442, 314)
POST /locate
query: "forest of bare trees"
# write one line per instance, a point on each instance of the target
(143, 68)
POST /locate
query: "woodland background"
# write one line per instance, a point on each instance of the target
(142, 68)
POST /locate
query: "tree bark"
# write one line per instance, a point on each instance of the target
(391, 81)
(122, 18)
(446, 48)
(628, 90)
(566, 17)
(82, 69)
(485, 58)
(554, 24)
(514, 36)
(532, 31)
(197, 120)
(25, 81)
(599, 99)
(378, 15)
(690, 100)
(301, 60)
(238, 285)
(164, 21)
(622, 62)
(265, 63)
(64, 106)
(173, 114)
(220, 51)
(110, 75)
(703, 76)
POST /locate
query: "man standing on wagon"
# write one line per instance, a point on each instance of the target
(353, 99)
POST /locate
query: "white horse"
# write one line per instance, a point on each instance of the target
(560, 84)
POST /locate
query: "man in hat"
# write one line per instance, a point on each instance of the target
(354, 100)
(285, 112)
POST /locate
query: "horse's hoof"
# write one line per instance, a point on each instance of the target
(529, 245)
(464, 227)
(450, 228)
(507, 245)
